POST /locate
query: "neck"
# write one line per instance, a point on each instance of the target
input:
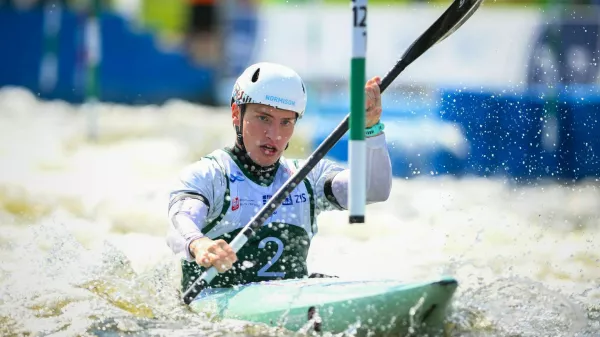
(259, 172)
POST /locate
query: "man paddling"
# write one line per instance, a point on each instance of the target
(219, 194)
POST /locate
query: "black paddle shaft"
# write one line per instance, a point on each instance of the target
(458, 12)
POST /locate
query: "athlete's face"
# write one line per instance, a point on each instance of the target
(266, 131)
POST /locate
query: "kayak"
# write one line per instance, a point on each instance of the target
(334, 305)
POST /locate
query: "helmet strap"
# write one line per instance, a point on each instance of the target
(239, 129)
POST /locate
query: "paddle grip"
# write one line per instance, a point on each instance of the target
(204, 280)
(239, 241)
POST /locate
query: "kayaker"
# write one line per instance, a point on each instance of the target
(218, 194)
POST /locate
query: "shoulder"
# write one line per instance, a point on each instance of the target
(205, 170)
(321, 171)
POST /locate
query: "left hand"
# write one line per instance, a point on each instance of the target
(373, 101)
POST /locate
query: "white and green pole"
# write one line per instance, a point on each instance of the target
(357, 146)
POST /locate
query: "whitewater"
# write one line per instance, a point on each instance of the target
(82, 226)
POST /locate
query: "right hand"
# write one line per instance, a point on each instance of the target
(215, 253)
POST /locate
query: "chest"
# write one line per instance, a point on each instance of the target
(248, 198)
(245, 198)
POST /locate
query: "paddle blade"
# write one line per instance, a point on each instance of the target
(452, 19)
(457, 17)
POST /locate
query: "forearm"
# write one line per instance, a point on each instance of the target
(187, 218)
(378, 177)
(191, 235)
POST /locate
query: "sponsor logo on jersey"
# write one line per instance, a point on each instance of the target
(235, 205)
(236, 176)
(289, 200)
(249, 202)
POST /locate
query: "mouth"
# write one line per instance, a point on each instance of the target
(268, 150)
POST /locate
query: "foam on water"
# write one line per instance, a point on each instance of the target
(82, 225)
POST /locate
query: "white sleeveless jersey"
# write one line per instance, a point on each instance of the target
(234, 197)
(244, 197)
(280, 247)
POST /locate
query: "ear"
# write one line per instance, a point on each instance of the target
(235, 114)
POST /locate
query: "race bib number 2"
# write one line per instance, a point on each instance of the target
(263, 272)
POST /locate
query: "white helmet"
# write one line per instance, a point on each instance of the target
(271, 84)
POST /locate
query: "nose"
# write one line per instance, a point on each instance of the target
(272, 131)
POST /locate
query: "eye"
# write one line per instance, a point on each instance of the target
(263, 118)
(286, 122)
